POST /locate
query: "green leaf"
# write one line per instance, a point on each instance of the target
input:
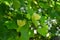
(43, 4)
(43, 31)
(35, 23)
(11, 25)
(24, 33)
(30, 10)
(16, 4)
(28, 16)
(12, 34)
(42, 20)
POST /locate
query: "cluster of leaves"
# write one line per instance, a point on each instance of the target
(29, 19)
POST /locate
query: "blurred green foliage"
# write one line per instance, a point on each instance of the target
(29, 19)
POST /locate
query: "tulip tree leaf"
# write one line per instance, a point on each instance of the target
(43, 31)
